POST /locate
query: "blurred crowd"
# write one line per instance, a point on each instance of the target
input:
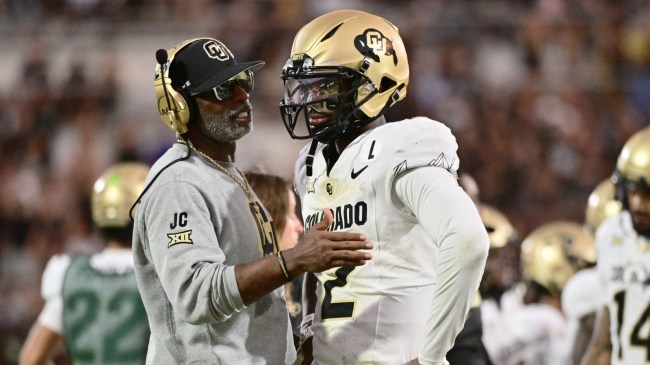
(541, 96)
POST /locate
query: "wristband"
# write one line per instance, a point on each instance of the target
(283, 266)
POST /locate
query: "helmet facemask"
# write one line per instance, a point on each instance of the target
(329, 92)
(365, 52)
(625, 186)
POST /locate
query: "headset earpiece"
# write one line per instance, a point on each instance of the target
(171, 105)
(174, 106)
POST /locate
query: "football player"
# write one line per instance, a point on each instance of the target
(601, 205)
(548, 257)
(92, 303)
(395, 182)
(623, 245)
(583, 296)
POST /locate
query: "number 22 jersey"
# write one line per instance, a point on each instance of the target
(93, 301)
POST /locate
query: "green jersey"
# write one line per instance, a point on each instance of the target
(103, 316)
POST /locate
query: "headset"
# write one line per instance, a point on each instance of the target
(174, 106)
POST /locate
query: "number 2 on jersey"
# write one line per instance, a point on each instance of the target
(337, 310)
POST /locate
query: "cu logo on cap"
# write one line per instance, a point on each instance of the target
(216, 50)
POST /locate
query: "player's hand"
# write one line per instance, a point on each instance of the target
(319, 249)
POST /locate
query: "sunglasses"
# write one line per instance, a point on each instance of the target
(225, 90)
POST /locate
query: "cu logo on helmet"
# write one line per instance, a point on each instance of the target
(373, 44)
(216, 50)
(376, 41)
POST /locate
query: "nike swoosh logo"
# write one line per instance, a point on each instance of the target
(354, 174)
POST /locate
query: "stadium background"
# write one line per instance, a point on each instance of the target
(540, 94)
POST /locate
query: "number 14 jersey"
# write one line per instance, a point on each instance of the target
(624, 268)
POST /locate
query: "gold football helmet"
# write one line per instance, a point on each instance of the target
(346, 63)
(633, 166)
(551, 254)
(500, 231)
(601, 205)
(502, 265)
(115, 192)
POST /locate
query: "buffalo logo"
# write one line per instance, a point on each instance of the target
(216, 50)
(180, 237)
(373, 44)
(268, 242)
(311, 185)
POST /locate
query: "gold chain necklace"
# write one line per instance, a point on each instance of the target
(244, 185)
(264, 225)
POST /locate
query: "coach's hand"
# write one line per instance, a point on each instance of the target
(319, 249)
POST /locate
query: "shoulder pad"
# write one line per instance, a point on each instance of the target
(53, 275)
(420, 142)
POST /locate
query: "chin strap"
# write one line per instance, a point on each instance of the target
(309, 161)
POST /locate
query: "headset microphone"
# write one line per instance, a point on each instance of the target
(161, 57)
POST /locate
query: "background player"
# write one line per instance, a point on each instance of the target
(92, 303)
(623, 247)
(532, 330)
(395, 182)
(583, 295)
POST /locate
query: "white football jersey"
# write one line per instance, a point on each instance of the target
(376, 313)
(513, 298)
(531, 335)
(624, 268)
(583, 294)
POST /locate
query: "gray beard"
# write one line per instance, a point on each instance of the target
(222, 129)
